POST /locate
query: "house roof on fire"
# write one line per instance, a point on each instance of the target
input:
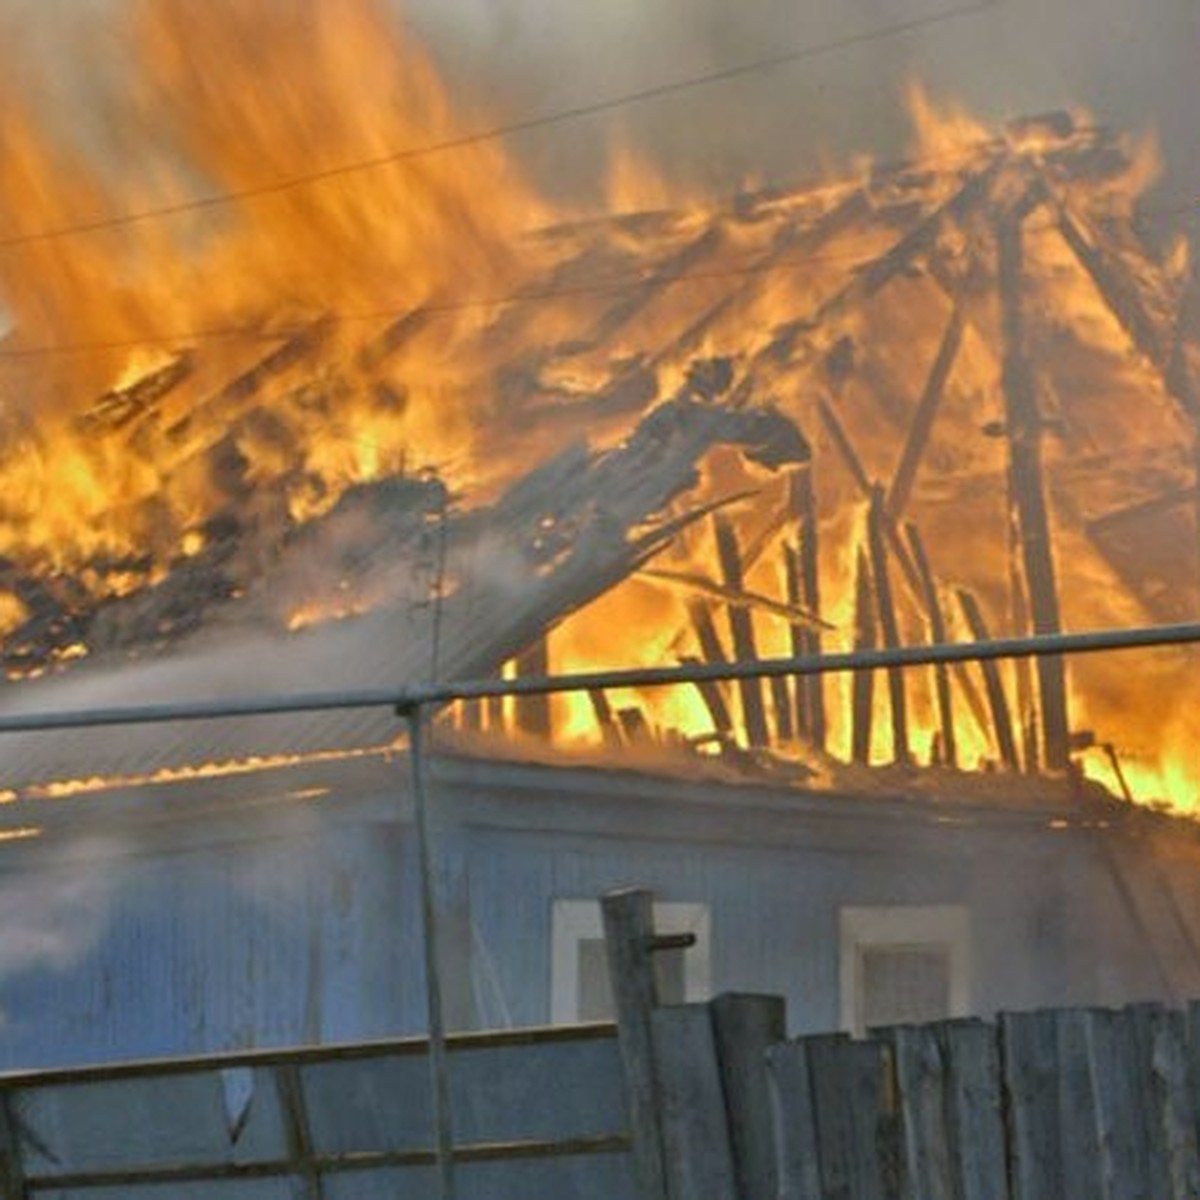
(747, 375)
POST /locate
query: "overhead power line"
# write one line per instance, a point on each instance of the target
(526, 125)
(186, 337)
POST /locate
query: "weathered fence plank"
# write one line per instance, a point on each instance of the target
(691, 1105)
(1079, 1137)
(856, 1129)
(921, 1084)
(976, 1115)
(794, 1109)
(744, 1026)
(1029, 1047)
(1118, 1121)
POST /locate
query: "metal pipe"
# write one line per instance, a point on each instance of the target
(439, 1062)
(403, 699)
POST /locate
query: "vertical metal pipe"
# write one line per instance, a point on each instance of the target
(439, 1063)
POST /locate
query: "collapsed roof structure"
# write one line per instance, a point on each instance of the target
(950, 397)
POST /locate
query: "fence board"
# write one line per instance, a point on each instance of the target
(794, 1110)
(1029, 1045)
(976, 1116)
(921, 1083)
(691, 1105)
(1175, 1110)
(1079, 1147)
(1121, 1157)
(744, 1026)
(856, 1129)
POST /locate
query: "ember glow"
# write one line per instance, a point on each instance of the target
(963, 390)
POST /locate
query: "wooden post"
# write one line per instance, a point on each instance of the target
(628, 938)
(937, 635)
(1023, 423)
(741, 628)
(745, 1027)
(533, 712)
(923, 418)
(864, 681)
(1002, 728)
(888, 624)
(804, 589)
(606, 719)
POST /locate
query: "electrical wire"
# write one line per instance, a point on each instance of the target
(526, 125)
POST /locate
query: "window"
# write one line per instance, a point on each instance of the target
(579, 984)
(903, 965)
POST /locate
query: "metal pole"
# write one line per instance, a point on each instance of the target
(439, 1063)
(402, 699)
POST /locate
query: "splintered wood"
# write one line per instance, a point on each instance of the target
(813, 419)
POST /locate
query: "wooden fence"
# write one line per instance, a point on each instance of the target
(1072, 1104)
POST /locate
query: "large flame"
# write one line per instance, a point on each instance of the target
(291, 339)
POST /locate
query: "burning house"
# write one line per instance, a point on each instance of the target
(946, 398)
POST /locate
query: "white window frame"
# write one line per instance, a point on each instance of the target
(573, 921)
(913, 926)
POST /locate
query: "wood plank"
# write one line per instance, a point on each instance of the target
(1177, 1111)
(1121, 1148)
(697, 1156)
(745, 1027)
(863, 686)
(923, 419)
(1002, 729)
(921, 1084)
(810, 714)
(1025, 429)
(1078, 1134)
(533, 712)
(976, 1115)
(628, 929)
(795, 1122)
(1029, 1047)
(889, 625)
(741, 629)
(856, 1131)
(937, 636)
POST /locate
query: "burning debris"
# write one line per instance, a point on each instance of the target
(945, 398)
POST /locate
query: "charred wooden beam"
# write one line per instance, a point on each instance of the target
(845, 447)
(610, 730)
(1002, 729)
(741, 629)
(863, 684)
(889, 626)
(807, 583)
(714, 701)
(533, 712)
(937, 635)
(1024, 427)
(925, 415)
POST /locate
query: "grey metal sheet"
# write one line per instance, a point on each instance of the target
(550, 1090)
(368, 1104)
(153, 1121)
(227, 1189)
(579, 1177)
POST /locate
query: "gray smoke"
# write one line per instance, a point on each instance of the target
(1132, 62)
